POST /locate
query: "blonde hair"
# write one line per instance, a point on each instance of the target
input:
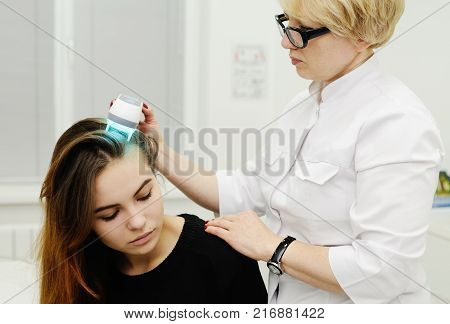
(372, 21)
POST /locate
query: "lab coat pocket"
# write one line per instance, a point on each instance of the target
(316, 172)
(320, 201)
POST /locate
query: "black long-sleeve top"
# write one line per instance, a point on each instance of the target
(202, 268)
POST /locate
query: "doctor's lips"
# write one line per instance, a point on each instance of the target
(295, 61)
(142, 239)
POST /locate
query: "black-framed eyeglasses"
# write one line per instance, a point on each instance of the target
(298, 37)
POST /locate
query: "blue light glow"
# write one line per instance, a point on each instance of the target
(115, 128)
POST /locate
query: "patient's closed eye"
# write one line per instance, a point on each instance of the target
(146, 197)
(110, 218)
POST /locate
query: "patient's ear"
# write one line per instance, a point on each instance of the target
(159, 178)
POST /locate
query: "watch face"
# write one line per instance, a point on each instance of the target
(274, 268)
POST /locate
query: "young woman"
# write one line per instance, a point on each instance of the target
(106, 239)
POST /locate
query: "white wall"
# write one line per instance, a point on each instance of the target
(227, 25)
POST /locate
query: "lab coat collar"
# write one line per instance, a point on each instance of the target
(344, 84)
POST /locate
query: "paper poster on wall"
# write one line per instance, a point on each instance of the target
(249, 79)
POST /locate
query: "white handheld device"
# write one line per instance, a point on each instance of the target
(124, 115)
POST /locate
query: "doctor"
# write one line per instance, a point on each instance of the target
(347, 200)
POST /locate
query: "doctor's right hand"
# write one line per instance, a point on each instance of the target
(150, 125)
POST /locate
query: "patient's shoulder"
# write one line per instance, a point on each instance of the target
(196, 239)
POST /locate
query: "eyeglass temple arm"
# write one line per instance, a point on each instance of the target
(317, 32)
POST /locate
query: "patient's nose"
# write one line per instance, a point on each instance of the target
(136, 221)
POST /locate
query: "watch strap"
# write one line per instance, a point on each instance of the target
(281, 248)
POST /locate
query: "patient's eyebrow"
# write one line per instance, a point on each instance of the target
(135, 194)
(142, 186)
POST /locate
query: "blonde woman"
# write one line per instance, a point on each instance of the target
(347, 199)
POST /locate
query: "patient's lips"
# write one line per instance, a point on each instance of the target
(142, 239)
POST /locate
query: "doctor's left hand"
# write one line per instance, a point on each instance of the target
(246, 233)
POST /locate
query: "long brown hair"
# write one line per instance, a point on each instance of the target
(75, 265)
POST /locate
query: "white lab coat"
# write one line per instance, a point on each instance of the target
(357, 172)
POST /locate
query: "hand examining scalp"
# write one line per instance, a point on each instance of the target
(246, 233)
(150, 125)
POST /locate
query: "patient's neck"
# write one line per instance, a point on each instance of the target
(170, 233)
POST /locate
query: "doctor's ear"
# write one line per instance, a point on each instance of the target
(361, 45)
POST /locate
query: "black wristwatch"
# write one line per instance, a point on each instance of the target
(274, 263)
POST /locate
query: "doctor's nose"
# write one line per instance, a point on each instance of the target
(286, 43)
(136, 221)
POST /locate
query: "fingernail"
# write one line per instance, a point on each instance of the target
(145, 105)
